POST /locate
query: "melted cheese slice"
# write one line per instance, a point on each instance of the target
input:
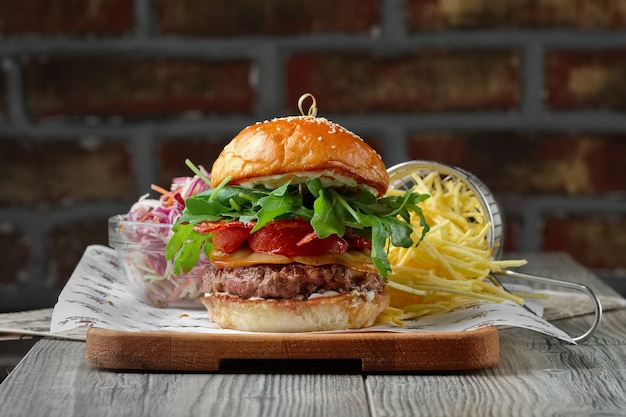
(358, 260)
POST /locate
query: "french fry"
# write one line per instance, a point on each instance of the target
(453, 261)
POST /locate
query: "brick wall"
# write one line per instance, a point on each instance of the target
(99, 99)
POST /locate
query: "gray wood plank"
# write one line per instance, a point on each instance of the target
(54, 380)
(562, 266)
(536, 375)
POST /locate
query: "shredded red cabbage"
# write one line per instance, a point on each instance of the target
(168, 208)
(145, 250)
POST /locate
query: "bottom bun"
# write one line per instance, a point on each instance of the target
(353, 310)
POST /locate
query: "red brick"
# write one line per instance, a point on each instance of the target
(66, 17)
(270, 17)
(15, 256)
(531, 164)
(479, 14)
(595, 241)
(586, 79)
(425, 81)
(135, 87)
(64, 172)
(173, 153)
(66, 244)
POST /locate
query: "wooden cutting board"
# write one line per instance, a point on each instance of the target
(377, 351)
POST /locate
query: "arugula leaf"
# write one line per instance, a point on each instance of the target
(327, 218)
(380, 232)
(180, 235)
(197, 171)
(400, 233)
(201, 205)
(354, 219)
(314, 186)
(272, 206)
(184, 247)
(197, 218)
(329, 212)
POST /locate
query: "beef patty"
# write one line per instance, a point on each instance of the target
(287, 281)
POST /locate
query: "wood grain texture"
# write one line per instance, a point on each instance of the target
(536, 376)
(377, 351)
(55, 380)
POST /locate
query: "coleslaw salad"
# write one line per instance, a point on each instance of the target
(141, 235)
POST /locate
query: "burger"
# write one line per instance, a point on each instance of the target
(296, 225)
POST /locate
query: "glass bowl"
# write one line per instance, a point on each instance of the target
(140, 246)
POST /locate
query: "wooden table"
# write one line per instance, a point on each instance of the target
(536, 376)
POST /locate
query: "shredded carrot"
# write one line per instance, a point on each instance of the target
(161, 190)
(150, 264)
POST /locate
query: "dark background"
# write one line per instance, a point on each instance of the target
(100, 99)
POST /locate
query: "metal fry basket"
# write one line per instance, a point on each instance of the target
(402, 177)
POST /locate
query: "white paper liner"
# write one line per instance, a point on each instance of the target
(99, 295)
(33, 323)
